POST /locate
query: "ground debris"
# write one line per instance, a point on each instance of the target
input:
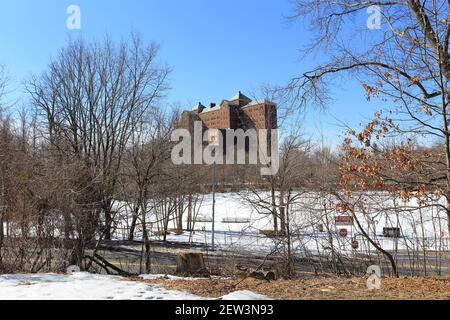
(318, 288)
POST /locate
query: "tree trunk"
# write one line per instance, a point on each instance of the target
(180, 215)
(282, 213)
(274, 210)
(189, 217)
(387, 254)
(290, 267)
(1, 240)
(133, 223)
(108, 223)
(147, 242)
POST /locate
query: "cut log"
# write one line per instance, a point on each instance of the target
(191, 264)
(268, 275)
(263, 275)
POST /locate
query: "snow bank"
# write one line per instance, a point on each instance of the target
(244, 295)
(85, 286)
(82, 286)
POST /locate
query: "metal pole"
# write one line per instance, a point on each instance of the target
(214, 203)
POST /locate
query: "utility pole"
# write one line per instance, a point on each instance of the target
(213, 141)
(213, 203)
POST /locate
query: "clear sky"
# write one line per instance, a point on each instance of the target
(215, 47)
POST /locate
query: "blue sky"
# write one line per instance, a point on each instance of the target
(215, 47)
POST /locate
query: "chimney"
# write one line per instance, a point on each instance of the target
(212, 105)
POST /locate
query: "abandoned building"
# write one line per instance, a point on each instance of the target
(240, 112)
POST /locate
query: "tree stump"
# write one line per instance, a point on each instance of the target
(191, 264)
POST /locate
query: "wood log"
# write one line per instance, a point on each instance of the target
(267, 275)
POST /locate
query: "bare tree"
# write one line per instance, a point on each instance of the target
(89, 103)
(2, 170)
(292, 181)
(148, 154)
(406, 62)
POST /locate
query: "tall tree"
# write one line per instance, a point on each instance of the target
(2, 172)
(89, 99)
(406, 62)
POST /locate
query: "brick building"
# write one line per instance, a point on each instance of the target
(239, 112)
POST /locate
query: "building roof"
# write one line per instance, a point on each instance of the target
(198, 106)
(240, 96)
(215, 108)
(259, 102)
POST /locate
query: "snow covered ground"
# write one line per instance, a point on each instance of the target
(81, 286)
(238, 225)
(85, 286)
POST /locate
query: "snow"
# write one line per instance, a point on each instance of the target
(85, 286)
(244, 295)
(238, 225)
(82, 286)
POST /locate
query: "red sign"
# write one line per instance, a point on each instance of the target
(343, 233)
(343, 221)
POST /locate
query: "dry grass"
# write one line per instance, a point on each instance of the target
(319, 288)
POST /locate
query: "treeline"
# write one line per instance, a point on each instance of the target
(93, 139)
(89, 160)
(94, 131)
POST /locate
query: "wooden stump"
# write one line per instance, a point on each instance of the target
(191, 264)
